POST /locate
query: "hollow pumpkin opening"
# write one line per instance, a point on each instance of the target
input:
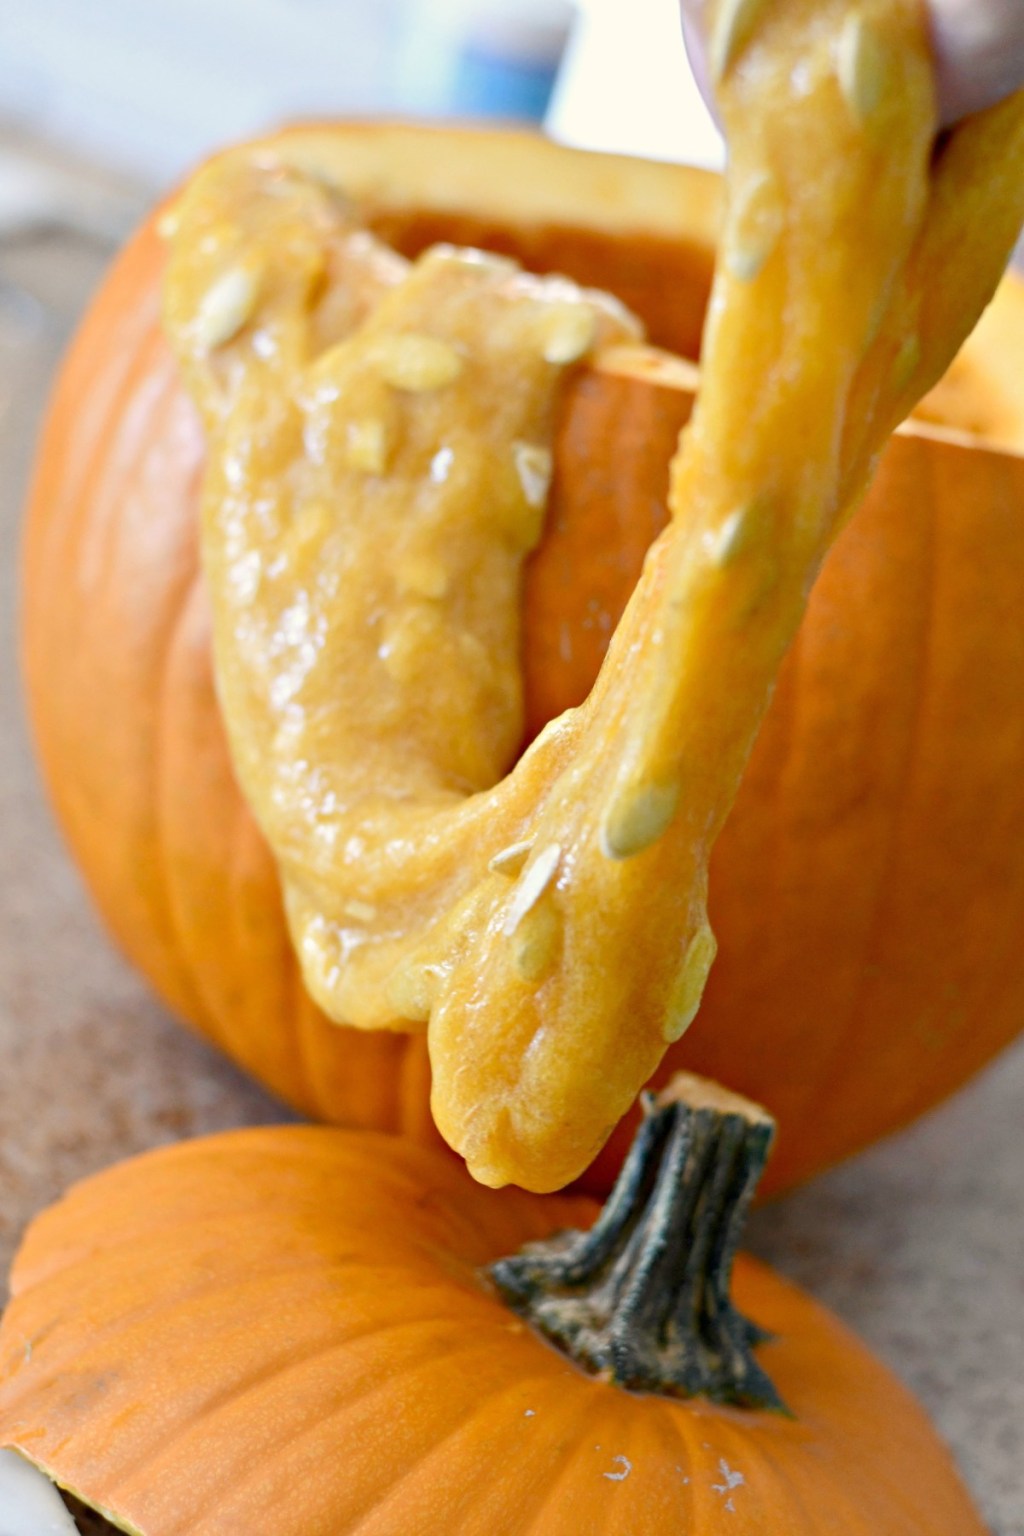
(667, 282)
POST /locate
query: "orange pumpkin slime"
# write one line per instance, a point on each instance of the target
(853, 971)
(378, 467)
(287, 1331)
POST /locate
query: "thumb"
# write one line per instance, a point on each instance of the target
(978, 47)
(979, 53)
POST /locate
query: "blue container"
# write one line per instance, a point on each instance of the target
(482, 58)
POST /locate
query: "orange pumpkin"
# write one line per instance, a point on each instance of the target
(868, 888)
(292, 1330)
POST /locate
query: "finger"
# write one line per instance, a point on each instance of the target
(978, 47)
(979, 53)
(695, 34)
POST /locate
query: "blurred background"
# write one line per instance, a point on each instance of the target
(103, 105)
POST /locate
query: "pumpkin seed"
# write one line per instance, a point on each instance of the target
(726, 541)
(907, 361)
(569, 333)
(361, 911)
(689, 985)
(225, 307)
(420, 576)
(536, 941)
(510, 860)
(730, 32)
(862, 67)
(532, 886)
(534, 466)
(416, 363)
(366, 445)
(756, 226)
(637, 818)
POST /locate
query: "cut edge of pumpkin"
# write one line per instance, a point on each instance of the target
(657, 368)
(516, 179)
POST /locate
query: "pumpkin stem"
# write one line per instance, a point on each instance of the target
(642, 1299)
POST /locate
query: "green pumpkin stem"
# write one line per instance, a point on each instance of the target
(642, 1299)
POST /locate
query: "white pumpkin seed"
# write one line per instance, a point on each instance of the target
(862, 67)
(730, 32)
(225, 307)
(510, 860)
(637, 818)
(416, 363)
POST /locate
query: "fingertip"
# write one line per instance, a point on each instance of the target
(979, 54)
(695, 37)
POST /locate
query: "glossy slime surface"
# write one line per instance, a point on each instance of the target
(379, 451)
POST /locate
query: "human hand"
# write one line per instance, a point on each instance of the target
(978, 44)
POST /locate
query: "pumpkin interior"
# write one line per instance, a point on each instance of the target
(667, 283)
(642, 231)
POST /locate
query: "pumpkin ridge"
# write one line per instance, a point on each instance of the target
(683, 1460)
(173, 950)
(367, 1395)
(207, 1012)
(233, 1395)
(772, 1456)
(393, 1267)
(307, 1015)
(296, 1002)
(241, 832)
(427, 1440)
(947, 550)
(444, 1442)
(1004, 957)
(308, 1018)
(778, 847)
(105, 397)
(110, 477)
(927, 558)
(884, 1485)
(572, 1454)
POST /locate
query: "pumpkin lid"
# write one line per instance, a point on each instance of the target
(290, 1330)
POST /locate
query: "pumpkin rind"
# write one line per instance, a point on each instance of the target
(285, 1329)
(879, 783)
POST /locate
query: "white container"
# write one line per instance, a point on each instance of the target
(626, 85)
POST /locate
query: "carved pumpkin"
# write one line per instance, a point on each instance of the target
(867, 891)
(293, 1330)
